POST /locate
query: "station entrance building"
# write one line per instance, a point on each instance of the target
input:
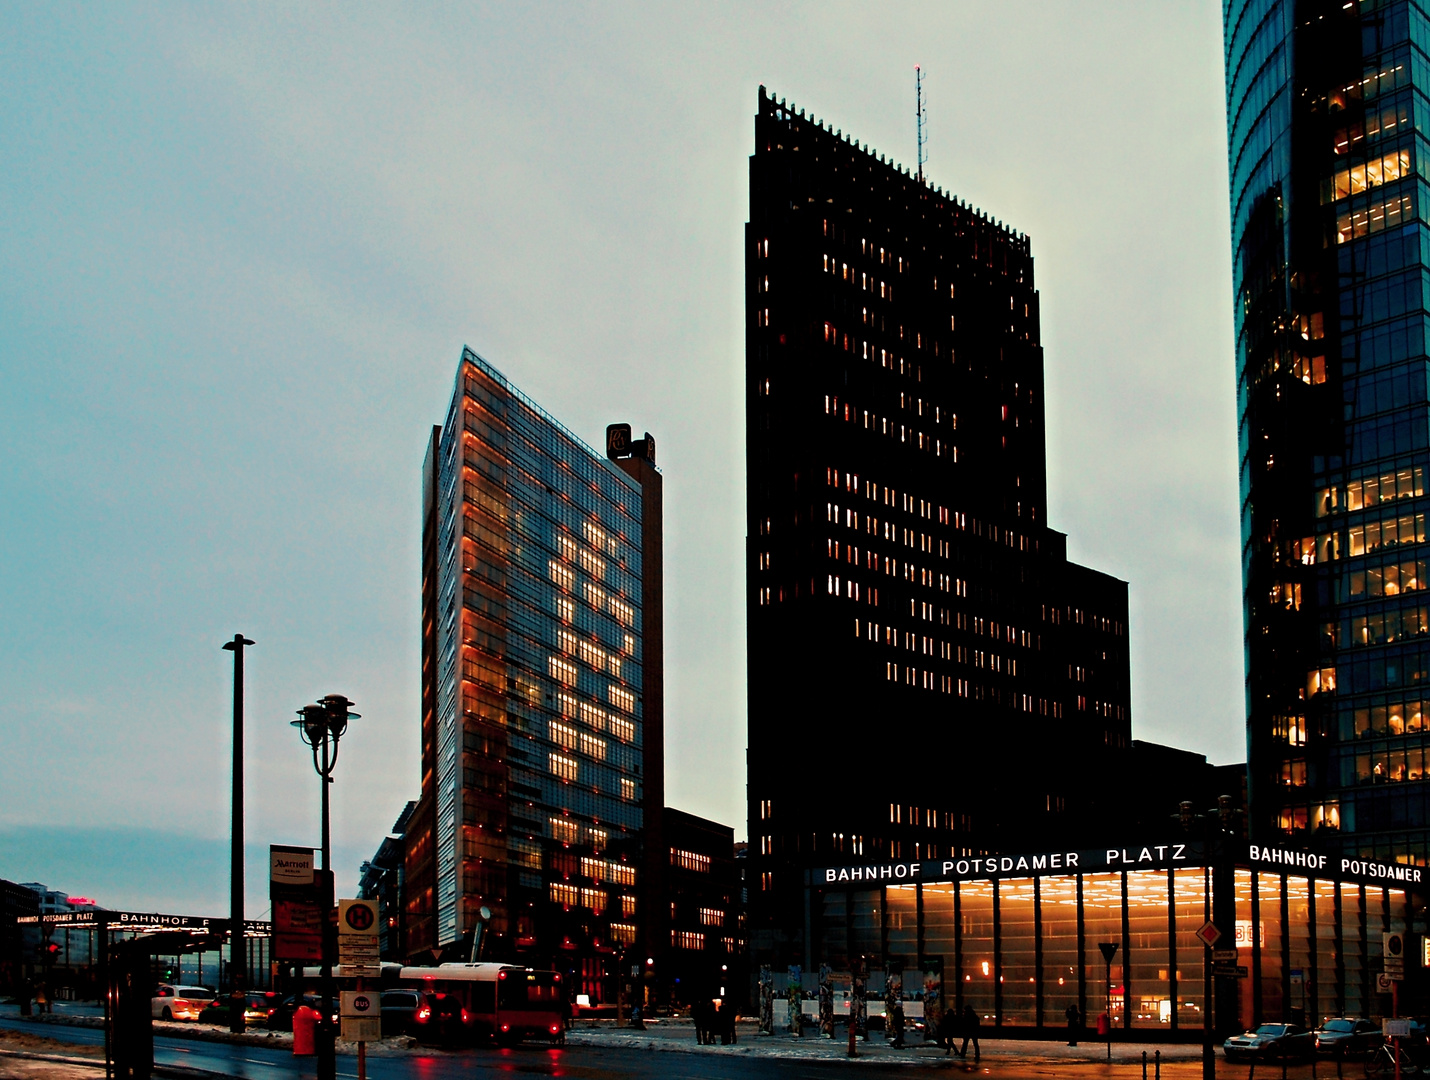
(1018, 936)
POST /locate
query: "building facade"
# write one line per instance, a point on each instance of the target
(541, 690)
(928, 673)
(1330, 253)
(1018, 937)
(707, 926)
(382, 878)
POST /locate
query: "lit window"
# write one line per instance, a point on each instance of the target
(595, 899)
(593, 715)
(710, 916)
(562, 766)
(630, 644)
(621, 728)
(596, 838)
(592, 653)
(562, 575)
(597, 537)
(592, 564)
(565, 609)
(567, 641)
(622, 873)
(563, 735)
(564, 829)
(595, 596)
(567, 703)
(622, 698)
(686, 939)
(592, 746)
(566, 895)
(624, 613)
(628, 789)
(690, 860)
(628, 907)
(623, 932)
(566, 547)
(563, 671)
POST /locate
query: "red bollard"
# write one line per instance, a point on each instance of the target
(305, 1028)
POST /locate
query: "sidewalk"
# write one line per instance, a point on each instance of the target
(1000, 1057)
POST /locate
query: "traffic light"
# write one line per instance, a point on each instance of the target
(53, 948)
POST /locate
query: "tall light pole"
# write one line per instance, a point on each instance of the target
(321, 726)
(237, 943)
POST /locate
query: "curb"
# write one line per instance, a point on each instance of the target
(791, 1053)
(176, 1072)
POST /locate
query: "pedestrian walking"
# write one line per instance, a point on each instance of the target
(947, 1031)
(970, 1031)
(1074, 1015)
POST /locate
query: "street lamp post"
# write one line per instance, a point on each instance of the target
(1214, 826)
(321, 726)
(237, 943)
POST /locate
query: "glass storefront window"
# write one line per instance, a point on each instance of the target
(976, 907)
(1149, 982)
(1298, 907)
(939, 935)
(1375, 926)
(1059, 897)
(1352, 956)
(1316, 945)
(1019, 941)
(1191, 912)
(834, 930)
(867, 916)
(1244, 938)
(1269, 912)
(903, 926)
(1326, 998)
(1102, 917)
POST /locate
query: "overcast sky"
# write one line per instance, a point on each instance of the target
(242, 246)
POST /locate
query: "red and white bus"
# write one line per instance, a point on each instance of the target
(488, 1001)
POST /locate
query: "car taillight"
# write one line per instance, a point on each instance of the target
(506, 1027)
(555, 1028)
(424, 1012)
(466, 1017)
(272, 1011)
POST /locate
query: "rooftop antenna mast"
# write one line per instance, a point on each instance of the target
(921, 117)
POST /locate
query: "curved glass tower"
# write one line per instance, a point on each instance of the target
(1324, 120)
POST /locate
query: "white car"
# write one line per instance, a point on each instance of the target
(179, 1002)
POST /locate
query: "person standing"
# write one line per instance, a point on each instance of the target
(970, 1031)
(1074, 1015)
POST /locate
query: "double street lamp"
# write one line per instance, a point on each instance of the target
(321, 726)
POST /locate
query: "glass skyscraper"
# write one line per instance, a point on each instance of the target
(538, 708)
(1326, 117)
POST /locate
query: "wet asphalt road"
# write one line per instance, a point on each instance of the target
(579, 1063)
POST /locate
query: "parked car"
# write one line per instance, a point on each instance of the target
(256, 1007)
(1347, 1035)
(1271, 1041)
(172, 1002)
(399, 1011)
(280, 1015)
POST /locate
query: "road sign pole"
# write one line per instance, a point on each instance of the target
(362, 1044)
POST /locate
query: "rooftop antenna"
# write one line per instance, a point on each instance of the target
(921, 116)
